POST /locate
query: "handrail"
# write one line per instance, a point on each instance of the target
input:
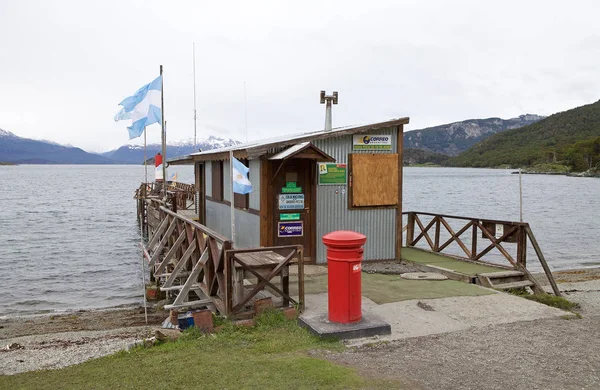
(466, 218)
(513, 232)
(221, 239)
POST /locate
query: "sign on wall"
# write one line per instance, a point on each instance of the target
(289, 217)
(291, 201)
(290, 229)
(332, 173)
(371, 142)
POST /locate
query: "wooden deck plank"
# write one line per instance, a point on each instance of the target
(439, 260)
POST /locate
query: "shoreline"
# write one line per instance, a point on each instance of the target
(53, 341)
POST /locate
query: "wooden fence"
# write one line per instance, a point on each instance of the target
(438, 235)
(196, 266)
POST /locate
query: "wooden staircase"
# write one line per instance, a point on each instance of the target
(505, 280)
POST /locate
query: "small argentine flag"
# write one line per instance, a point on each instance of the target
(241, 184)
(143, 108)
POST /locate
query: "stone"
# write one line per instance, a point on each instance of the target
(246, 323)
(260, 305)
(203, 320)
(167, 334)
(290, 313)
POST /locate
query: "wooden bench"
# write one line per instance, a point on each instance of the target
(262, 263)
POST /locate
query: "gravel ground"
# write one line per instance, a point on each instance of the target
(51, 342)
(388, 267)
(56, 350)
(541, 354)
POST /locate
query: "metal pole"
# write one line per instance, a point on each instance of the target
(328, 122)
(246, 111)
(194, 52)
(520, 196)
(145, 162)
(143, 264)
(164, 135)
(232, 200)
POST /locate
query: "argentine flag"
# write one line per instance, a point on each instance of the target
(143, 108)
(241, 184)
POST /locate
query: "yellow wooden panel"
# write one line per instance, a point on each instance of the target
(374, 179)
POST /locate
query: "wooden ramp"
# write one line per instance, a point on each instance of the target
(486, 275)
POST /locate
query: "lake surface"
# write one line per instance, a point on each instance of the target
(69, 237)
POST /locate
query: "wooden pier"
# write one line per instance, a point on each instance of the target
(197, 267)
(435, 234)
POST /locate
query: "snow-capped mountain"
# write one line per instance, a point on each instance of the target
(134, 154)
(19, 150)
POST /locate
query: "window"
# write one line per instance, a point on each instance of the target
(217, 180)
(373, 180)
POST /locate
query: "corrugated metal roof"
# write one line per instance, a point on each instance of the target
(289, 151)
(257, 148)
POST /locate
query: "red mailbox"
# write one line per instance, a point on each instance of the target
(344, 257)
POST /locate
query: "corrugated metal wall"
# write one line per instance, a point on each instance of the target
(255, 180)
(226, 181)
(379, 225)
(208, 181)
(218, 218)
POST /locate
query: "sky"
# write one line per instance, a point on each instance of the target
(65, 65)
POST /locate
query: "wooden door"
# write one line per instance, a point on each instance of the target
(293, 210)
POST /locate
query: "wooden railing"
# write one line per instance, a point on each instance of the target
(435, 231)
(195, 265)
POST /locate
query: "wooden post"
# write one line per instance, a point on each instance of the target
(522, 246)
(410, 229)
(436, 245)
(542, 259)
(301, 278)
(474, 241)
(399, 150)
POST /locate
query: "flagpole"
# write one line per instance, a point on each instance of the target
(145, 162)
(246, 111)
(164, 135)
(232, 198)
(194, 53)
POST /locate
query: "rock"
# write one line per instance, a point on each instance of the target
(167, 334)
(13, 347)
(260, 305)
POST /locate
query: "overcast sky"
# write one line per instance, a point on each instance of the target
(65, 65)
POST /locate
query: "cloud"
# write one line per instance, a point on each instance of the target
(67, 64)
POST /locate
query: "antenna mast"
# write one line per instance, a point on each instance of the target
(327, 100)
(194, 62)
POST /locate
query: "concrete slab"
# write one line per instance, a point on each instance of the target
(393, 288)
(370, 325)
(423, 317)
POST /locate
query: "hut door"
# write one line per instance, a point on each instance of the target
(293, 210)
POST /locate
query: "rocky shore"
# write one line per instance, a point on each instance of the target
(52, 342)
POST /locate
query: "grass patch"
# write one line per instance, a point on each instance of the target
(272, 354)
(547, 299)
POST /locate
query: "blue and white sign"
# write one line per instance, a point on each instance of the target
(291, 201)
(290, 229)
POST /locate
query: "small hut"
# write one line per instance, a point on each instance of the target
(307, 185)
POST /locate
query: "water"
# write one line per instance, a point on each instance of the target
(69, 237)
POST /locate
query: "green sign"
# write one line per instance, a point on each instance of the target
(289, 217)
(291, 190)
(290, 184)
(332, 173)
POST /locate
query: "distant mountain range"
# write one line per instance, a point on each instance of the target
(134, 154)
(453, 138)
(18, 150)
(570, 138)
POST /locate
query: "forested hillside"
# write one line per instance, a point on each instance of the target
(571, 138)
